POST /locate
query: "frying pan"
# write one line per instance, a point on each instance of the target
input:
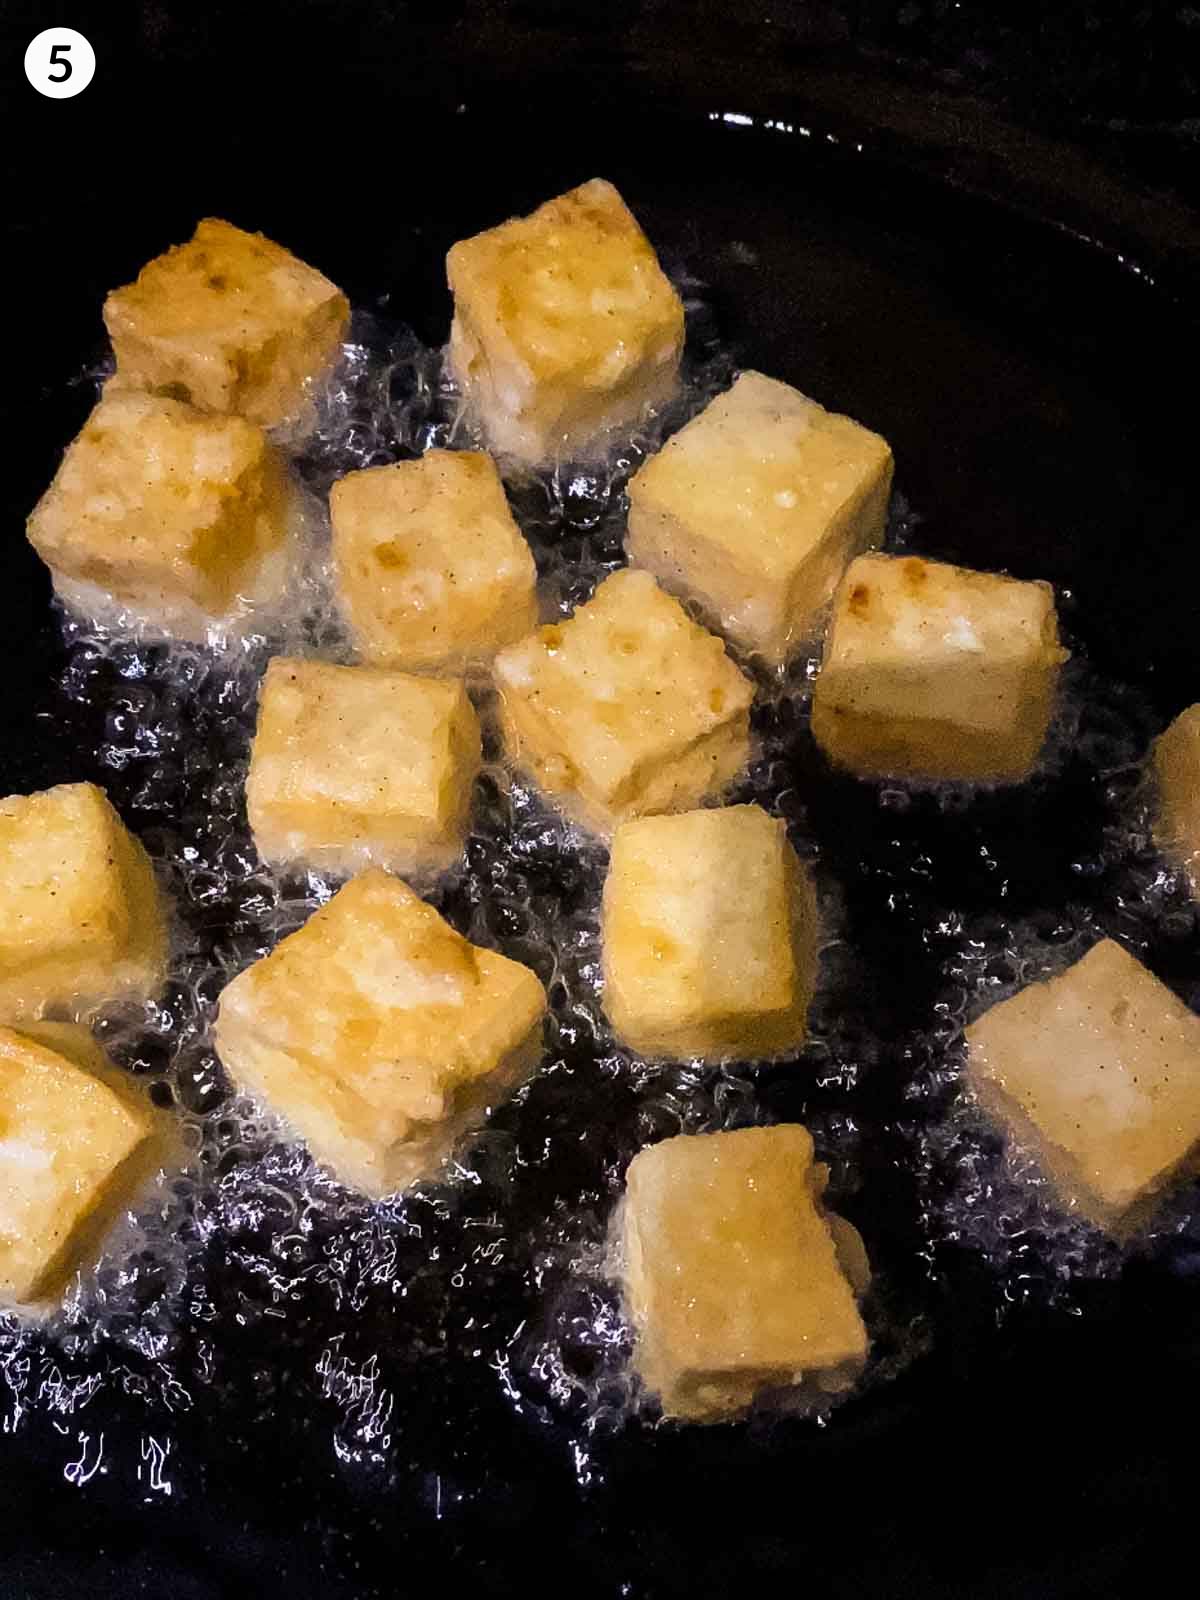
(1018, 324)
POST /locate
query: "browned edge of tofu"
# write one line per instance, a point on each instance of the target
(771, 1037)
(1177, 834)
(927, 749)
(160, 1148)
(248, 387)
(1074, 1192)
(697, 1399)
(420, 1155)
(589, 417)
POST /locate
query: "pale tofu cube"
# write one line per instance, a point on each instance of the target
(160, 511)
(1177, 773)
(935, 671)
(231, 322)
(433, 574)
(379, 1033)
(756, 507)
(565, 326)
(732, 1273)
(628, 708)
(710, 936)
(1097, 1072)
(76, 1140)
(358, 766)
(83, 921)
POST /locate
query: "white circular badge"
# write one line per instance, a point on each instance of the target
(60, 63)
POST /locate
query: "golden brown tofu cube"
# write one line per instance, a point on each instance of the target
(229, 321)
(169, 514)
(83, 920)
(432, 572)
(76, 1139)
(1097, 1072)
(935, 671)
(1177, 773)
(628, 708)
(732, 1274)
(357, 766)
(710, 945)
(379, 1033)
(565, 326)
(755, 508)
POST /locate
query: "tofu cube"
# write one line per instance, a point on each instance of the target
(935, 671)
(83, 920)
(756, 507)
(357, 766)
(732, 1273)
(379, 1033)
(1097, 1072)
(231, 322)
(1177, 773)
(161, 511)
(565, 326)
(432, 572)
(76, 1139)
(628, 708)
(710, 936)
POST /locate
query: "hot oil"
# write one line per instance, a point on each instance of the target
(981, 1192)
(254, 1306)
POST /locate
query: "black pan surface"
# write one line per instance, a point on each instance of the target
(1034, 385)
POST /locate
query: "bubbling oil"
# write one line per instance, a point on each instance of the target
(982, 1192)
(250, 1285)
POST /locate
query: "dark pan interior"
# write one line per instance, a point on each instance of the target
(1031, 385)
